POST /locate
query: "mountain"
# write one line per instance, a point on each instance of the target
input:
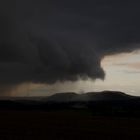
(90, 96)
(98, 103)
(62, 97)
(105, 95)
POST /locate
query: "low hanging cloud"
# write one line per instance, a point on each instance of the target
(47, 41)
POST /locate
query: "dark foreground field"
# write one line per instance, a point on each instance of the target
(66, 125)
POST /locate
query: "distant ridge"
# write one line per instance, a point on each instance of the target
(98, 103)
(62, 97)
(90, 96)
(72, 96)
(107, 95)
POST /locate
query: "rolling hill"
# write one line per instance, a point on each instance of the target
(90, 96)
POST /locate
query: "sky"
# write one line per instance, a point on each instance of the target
(50, 45)
(122, 74)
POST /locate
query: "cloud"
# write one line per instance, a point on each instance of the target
(132, 71)
(135, 65)
(48, 41)
(132, 65)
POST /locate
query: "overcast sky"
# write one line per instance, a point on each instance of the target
(45, 42)
(122, 73)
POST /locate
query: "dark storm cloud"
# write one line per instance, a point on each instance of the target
(46, 41)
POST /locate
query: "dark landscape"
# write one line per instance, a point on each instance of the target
(104, 115)
(57, 46)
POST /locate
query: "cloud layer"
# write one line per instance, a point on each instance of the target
(46, 41)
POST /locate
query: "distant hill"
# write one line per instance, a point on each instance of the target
(98, 103)
(62, 97)
(90, 96)
(106, 95)
(73, 97)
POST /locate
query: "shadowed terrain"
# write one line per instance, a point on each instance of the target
(66, 116)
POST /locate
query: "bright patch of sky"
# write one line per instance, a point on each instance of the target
(122, 74)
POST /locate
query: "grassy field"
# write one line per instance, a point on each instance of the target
(65, 125)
